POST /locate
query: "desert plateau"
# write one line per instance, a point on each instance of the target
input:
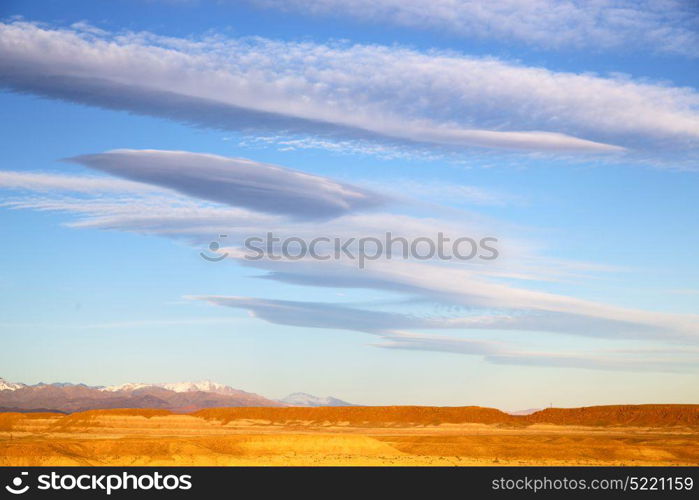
(358, 435)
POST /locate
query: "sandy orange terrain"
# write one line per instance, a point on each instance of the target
(603, 435)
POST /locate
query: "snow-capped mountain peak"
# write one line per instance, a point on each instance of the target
(183, 396)
(203, 386)
(131, 386)
(304, 399)
(9, 386)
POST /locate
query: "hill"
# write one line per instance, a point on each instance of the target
(619, 415)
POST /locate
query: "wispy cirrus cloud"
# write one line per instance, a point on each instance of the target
(40, 181)
(677, 361)
(350, 91)
(236, 181)
(321, 315)
(669, 26)
(520, 308)
(391, 328)
(468, 284)
(618, 323)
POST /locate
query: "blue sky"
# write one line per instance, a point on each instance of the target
(576, 148)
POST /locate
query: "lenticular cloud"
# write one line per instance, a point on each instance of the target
(235, 181)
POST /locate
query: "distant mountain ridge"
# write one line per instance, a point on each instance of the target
(309, 400)
(182, 396)
(202, 386)
(528, 411)
(177, 396)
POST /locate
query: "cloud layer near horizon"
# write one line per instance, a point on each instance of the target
(390, 327)
(350, 91)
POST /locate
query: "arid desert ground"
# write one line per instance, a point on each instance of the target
(603, 435)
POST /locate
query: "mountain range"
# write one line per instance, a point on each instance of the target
(528, 411)
(303, 399)
(180, 397)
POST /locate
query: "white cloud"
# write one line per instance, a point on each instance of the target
(446, 192)
(362, 92)
(487, 303)
(473, 284)
(522, 309)
(389, 327)
(345, 147)
(236, 181)
(676, 361)
(482, 287)
(334, 316)
(168, 215)
(662, 26)
(34, 181)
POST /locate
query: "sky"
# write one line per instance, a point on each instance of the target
(136, 132)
